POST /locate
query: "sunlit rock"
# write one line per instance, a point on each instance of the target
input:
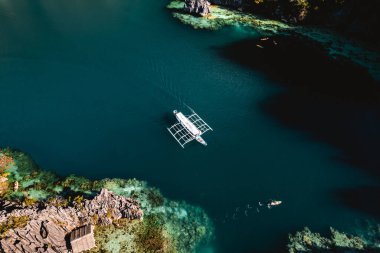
(221, 16)
(197, 7)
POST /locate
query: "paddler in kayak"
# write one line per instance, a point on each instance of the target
(271, 203)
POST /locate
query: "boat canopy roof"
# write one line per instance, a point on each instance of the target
(188, 124)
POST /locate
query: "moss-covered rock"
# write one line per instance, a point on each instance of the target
(307, 241)
(13, 222)
(343, 240)
(151, 236)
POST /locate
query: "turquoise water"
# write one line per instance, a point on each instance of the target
(88, 87)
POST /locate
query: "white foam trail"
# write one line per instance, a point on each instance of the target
(163, 81)
(245, 211)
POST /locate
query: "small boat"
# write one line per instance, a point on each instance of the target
(273, 203)
(188, 128)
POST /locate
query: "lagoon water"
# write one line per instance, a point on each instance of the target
(88, 87)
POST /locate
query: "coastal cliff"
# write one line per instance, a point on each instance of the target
(264, 32)
(47, 224)
(355, 18)
(41, 212)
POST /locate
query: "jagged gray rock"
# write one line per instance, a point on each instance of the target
(48, 227)
(108, 206)
(197, 7)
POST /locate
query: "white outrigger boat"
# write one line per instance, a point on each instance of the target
(188, 128)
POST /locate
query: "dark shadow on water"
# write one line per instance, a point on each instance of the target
(271, 251)
(334, 101)
(168, 119)
(363, 198)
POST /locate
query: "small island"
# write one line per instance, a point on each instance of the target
(41, 212)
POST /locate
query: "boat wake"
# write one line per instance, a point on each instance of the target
(163, 82)
(250, 209)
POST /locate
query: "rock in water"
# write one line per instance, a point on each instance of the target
(197, 7)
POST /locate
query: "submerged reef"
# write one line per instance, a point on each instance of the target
(40, 212)
(307, 241)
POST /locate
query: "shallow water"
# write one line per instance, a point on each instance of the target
(88, 87)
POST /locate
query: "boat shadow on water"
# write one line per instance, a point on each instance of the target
(167, 119)
(332, 100)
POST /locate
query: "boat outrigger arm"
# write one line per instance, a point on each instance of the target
(188, 128)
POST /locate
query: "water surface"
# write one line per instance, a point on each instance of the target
(88, 87)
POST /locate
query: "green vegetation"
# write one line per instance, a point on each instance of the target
(78, 184)
(29, 201)
(356, 18)
(136, 236)
(151, 236)
(58, 201)
(307, 241)
(116, 238)
(12, 223)
(78, 200)
(296, 10)
(155, 197)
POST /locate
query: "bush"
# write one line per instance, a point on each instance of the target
(155, 198)
(307, 241)
(12, 223)
(151, 236)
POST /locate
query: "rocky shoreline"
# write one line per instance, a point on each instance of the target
(255, 27)
(49, 223)
(354, 18)
(40, 212)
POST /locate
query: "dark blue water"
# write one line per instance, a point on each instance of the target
(87, 87)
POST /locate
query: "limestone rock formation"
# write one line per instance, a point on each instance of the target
(197, 7)
(108, 207)
(45, 228)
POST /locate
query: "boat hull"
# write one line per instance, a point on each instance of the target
(201, 140)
